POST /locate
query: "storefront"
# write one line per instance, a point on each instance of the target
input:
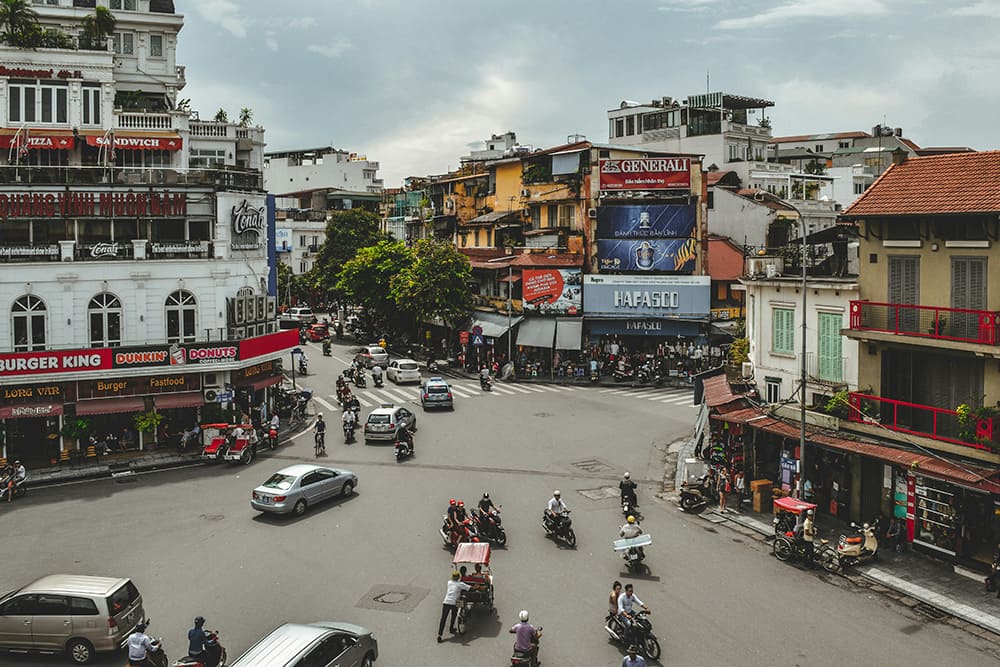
(252, 386)
(549, 340)
(31, 415)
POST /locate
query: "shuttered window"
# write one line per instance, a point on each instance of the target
(904, 289)
(968, 290)
(830, 367)
(783, 331)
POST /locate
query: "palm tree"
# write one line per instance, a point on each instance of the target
(221, 116)
(16, 16)
(96, 28)
(246, 116)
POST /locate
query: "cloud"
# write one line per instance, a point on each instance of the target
(805, 9)
(302, 23)
(334, 50)
(224, 13)
(986, 8)
(270, 41)
(685, 5)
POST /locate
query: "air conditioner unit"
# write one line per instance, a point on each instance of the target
(592, 213)
(758, 267)
(211, 395)
(212, 380)
(525, 192)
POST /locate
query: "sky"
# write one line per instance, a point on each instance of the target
(416, 84)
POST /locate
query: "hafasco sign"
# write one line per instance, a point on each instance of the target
(647, 173)
(92, 204)
(248, 227)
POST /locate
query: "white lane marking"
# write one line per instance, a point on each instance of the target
(547, 387)
(324, 404)
(396, 394)
(517, 389)
(605, 391)
(525, 387)
(461, 391)
(336, 358)
(678, 400)
(364, 401)
(502, 391)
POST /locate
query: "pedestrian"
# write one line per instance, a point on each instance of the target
(895, 534)
(450, 604)
(723, 488)
(739, 485)
(633, 659)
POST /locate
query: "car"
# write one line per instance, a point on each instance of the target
(323, 644)
(303, 315)
(403, 370)
(385, 421)
(70, 613)
(297, 488)
(370, 355)
(436, 393)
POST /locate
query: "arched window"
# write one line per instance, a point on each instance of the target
(28, 324)
(244, 291)
(182, 309)
(105, 315)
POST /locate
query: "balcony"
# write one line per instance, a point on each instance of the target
(222, 177)
(144, 121)
(949, 324)
(826, 370)
(923, 420)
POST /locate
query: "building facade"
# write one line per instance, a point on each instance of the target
(327, 167)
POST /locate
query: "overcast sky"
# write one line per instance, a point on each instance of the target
(413, 83)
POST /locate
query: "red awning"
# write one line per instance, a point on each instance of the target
(180, 399)
(107, 406)
(139, 142)
(27, 411)
(51, 140)
(257, 385)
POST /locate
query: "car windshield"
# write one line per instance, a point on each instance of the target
(410, 366)
(279, 481)
(378, 419)
(437, 389)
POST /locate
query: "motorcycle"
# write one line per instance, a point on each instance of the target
(641, 634)
(629, 504)
(349, 432)
(561, 527)
(16, 491)
(359, 379)
(485, 383)
(403, 449)
(852, 549)
(327, 352)
(377, 380)
(526, 659)
(632, 550)
(594, 375)
(642, 375)
(697, 495)
(466, 533)
(303, 365)
(622, 375)
(272, 438)
(157, 658)
(214, 654)
(488, 526)
(432, 366)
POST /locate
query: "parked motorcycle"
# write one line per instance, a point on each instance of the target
(561, 527)
(485, 383)
(697, 495)
(526, 659)
(488, 526)
(214, 654)
(641, 634)
(852, 549)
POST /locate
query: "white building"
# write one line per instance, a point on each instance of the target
(132, 282)
(300, 231)
(308, 169)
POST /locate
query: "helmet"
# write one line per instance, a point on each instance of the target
(523, 616)
(140, 626)
(809, 512)
(461, 503)
(630, 519)
(628, 475)
(556, 493)
(199, 620)
(475, 539)
(486, 495)
(452, 502)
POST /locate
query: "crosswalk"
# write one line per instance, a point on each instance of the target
(372, 397)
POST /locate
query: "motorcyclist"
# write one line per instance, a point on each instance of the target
(20, 474)
(303, 363)
(627, 488)
(275, 422)
(406, 435)
(320, 430)
(626, 608)
(486, 504)
(196, 638)
(377, 374)
(484, 376)
(554, 510)
(632, 529)
(349, 420)
(140, 645)
(526, 637)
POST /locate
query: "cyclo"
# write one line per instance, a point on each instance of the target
(787, 545)
(471, 554)
(218, 439)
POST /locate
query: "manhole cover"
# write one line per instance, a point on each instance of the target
(393, 597)
(213, 517)
(929, 611)
(592, 465)
(600, 493)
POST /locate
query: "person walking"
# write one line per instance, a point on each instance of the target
(633, 659)
(450, 604)
(723, 488)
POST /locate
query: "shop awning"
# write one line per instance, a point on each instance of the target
(494, 325)
(515, 278)
(181, 399)
(569, 334)
(139, 141)
(536, 333)
(28, 411)
(107, 406)
(31, 139)
(257, 385)
(492, 217)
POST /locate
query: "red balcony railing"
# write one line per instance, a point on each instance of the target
(916, 419)
(960, 324)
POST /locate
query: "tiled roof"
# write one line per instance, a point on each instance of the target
(716, 176)
(951, 183)
(719, 392)
(765, 199)
(819, 137)
(725, 259)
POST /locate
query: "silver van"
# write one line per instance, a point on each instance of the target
(70, 613)
(323, 644)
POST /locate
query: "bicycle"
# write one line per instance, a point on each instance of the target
(320, 442)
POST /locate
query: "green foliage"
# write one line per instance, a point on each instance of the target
(147, 422)
(221, 116)
(838, 405)
(76, 428)
(969, 419)
(346, 233)
(96, 29)
(739, 351)
(246, 116)
(19, 22)
(366, 279)
(815, 167)
(435, 284)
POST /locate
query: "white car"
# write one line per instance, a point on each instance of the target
(371, 355)
(384, 422)
(403, 370)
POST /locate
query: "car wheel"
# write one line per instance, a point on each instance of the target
(368, 660)
(300, 508)
(348, 489)
(80, 651)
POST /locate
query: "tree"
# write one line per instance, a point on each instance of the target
(346, 233)
(96, 29)
(16, 18)
(365, 280)
(435, 284)
(221, 116)
(246, 116)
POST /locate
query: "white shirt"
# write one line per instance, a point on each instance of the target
(275, 422)
(20, 473)
(138, 645)
(625, 602)
(348, 417)
(630, 530)
(455, 589)
(376, 371)
(557, 505)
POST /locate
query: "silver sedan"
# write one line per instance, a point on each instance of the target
(296, 488)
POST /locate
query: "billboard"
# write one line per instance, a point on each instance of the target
(646, 221)
(647, 255)
(646, 173)
(551, 291)
(648, 296)
(283, 239)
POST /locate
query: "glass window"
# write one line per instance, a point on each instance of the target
(783, 331)
(619, 127)
(773, 391)
(105, 315)
(129, 5)
(182, 309)
(630, 125)
(28, 324)
(167, 230)
(124, 43)
(52, 605)
(14, 103)
(91, 106)
(82, 607)
(199, 230)
(156, 46)
(566, 215)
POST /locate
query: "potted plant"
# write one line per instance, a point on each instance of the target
(975, 425)
(76, 429)
(838, 405)
(147, 422)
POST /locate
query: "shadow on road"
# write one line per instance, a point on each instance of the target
(312, 510)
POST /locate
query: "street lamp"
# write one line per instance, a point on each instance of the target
(295, 350)
(510, 307)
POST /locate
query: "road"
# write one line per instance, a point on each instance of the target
(193, 545)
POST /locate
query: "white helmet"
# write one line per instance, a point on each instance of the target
(628, 475)
(556, 493)
(523, 615)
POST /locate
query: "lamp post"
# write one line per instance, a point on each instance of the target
(295, 350)
(802, 368)
(510, 308)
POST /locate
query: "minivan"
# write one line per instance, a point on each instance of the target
(70, 613)
(323, 644)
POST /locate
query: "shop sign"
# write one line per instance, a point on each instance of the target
(634, 297)
(161, 384)
(676, 255)
(649, 173)
(647, 221)
(38, 363)
(28, 411)
(268, 344)
(168, 383)
(552, 291)
(249, 224)
(30, 251)
(77, 204)
(187, 354)
(644, 325)
(265, 368)
(29, 393)
(51, 73)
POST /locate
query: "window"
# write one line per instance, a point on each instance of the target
(773, 389)
(859, 188)
(182, 309)
(536, 217)
(129, 5)
(830, 367)
(711, 199)
(124, 43)
(968, 292)
(82, 607)
(619, 127)
(52, 605)
(91, 106)
(566, 215)
(818, 148)
(843, 144)
(630, 125)
(783, 331)
(105, 315)
(904, 289)
(156, 46)
(36, 102)
(552, 217)
(28, 324)
(734, 152)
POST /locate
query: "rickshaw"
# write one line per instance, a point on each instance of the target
(789, 547)
(218, 442)
(244, 448)
(785, 512)
(471, 554)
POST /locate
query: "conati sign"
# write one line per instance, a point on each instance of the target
(647, 173)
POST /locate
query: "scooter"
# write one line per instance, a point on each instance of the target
(327, 349)
(156, 658)
(349, 432)
(485, 383)
(620, 375)
(432, 366)
(272, 437)
(694, 496)
(359, 379)
(594, 375)
(466, 533)
(18, 490)
(526, 659)
(852, 549)
(303, 365)
(561, 528)
(632, 550)
(403, 449)
(214, 654)
(377, 381)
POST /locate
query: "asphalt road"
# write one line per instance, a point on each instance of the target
(193, 545)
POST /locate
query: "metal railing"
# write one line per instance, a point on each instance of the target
(826, 370)
(144, 121)
(956, 324)
(916, 419)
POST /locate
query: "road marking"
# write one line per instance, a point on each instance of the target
(324, 403)
(461, 391)
(396, 395)
(517, 389)
(503, 391)
(678, 400)
(364, 401)
(548, 387)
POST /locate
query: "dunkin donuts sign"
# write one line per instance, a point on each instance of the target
(647, 173)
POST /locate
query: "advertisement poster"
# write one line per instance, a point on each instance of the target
(646, 173)
(647, 255)
(646, 221)
(633, 297)
(552, 291)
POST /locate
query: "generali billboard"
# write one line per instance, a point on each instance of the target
(645, 173)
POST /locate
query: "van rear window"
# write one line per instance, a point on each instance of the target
(123, 598)
(437, 389)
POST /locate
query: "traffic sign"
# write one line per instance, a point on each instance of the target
(463, 337)
(225, 397)
(477, 330)
(478, 340)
